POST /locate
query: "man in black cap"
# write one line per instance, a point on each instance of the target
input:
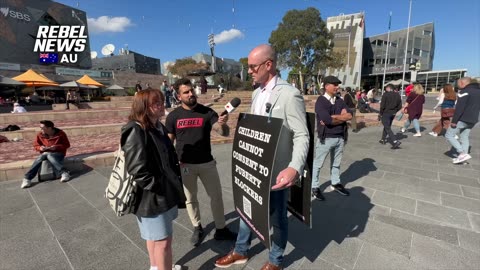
(332, 116)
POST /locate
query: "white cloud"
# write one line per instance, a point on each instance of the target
(228, 35)
(104, 24)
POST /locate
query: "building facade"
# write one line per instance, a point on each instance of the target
(128, 61)
(348, 37)
(386, 53)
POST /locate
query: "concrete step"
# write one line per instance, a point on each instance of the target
(35, 117)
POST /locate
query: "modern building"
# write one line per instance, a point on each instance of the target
(348, 38)
(386, 53)
(128, 61)
(222, 65)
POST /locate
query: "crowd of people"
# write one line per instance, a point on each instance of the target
(166, 160)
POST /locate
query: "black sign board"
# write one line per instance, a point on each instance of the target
(299, 200)
(254, 148)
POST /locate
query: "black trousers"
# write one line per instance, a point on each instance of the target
(387, 120)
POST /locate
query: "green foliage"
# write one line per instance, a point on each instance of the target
(184, 66)
(302, 42)
(130, 91)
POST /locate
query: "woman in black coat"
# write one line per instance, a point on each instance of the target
(151, 159)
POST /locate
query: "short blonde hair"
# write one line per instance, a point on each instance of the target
(418, 88)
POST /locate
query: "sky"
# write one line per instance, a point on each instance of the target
(171, 30)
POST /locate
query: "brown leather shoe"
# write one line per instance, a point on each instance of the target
(231, 259)
(269, 266)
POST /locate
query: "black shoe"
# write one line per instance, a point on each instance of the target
(396, 145)
(317, 194)
(197, 236)
(355, 130)
(224, 234)
(340, 189)
(382, 141)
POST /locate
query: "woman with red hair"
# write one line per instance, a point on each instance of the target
(151, 159)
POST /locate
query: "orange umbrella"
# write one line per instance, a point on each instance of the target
(90, 82)
(32, 78)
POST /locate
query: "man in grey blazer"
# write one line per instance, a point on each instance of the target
(279, 99)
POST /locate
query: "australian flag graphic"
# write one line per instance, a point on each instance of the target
(48, 58)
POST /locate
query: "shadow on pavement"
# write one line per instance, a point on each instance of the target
(333, 220)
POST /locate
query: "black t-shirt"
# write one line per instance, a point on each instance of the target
(192, 131)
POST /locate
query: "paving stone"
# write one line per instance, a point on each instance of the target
(440, 186)
(471, 192)
(418, 193)
(379, 184)
(436, 254)
(343, 254)
(455, 179)
(422, 227)
(451, 216)
(462, 203)
(394, 201)
(401, 178)
(469, 240)
(422, 174)
(386, 236)
(373, 257)
(475, 221)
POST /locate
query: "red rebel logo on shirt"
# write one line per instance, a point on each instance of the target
(190, 123)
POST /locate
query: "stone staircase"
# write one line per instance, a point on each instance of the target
(96, 129)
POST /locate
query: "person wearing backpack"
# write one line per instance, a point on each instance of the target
(151, 160)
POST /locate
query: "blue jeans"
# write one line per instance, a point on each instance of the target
(416, 124)
(334, 146)
(55, 158)
(279, 222)
(463, 143)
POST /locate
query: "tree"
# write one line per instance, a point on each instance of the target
(301, 41)
(184, 66)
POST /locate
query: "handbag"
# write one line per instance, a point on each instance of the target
(121, 188)
(400, 116)
(406, 108)
(447, 112)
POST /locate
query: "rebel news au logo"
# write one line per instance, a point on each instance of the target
(66, 41)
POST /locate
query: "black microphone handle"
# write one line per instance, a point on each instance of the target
(224, 112)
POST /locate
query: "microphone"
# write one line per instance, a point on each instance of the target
(231, 106)
(267, 107)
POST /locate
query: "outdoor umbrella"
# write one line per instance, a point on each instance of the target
(7, 81)
(115, 87)
(91, 83)
(34, 79)
(73, 84)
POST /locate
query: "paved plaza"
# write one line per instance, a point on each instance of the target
(409, 209)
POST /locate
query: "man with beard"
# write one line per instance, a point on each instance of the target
(190, 124)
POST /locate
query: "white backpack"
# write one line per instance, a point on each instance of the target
(121, 188)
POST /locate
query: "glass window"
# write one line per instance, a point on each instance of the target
(378, 61)
(393, 44)
(392, 61)
(424, 53)
(416, 52)
(427, 33)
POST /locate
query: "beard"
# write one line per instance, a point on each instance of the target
(192, 101)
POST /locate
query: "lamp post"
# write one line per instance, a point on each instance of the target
(406, 43)
(211, 42)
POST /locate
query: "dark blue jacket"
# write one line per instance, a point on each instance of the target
(468, 105)
(323, 110)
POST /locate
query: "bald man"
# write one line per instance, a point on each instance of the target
(287, 104)
(466, 115)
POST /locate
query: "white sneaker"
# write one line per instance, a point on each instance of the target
(403, 130)
(417, 134)
(433, 134)
(65, 177)
(26, 183)
(456, 137)
(462, 158)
